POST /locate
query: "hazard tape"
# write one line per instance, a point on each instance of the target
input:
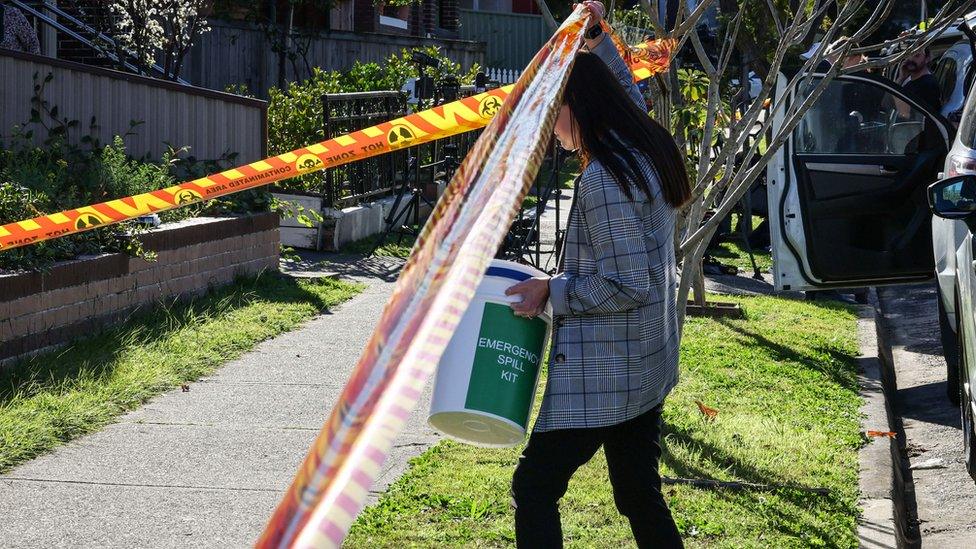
(428, 301)
(446, 120)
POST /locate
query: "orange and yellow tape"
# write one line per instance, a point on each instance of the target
(450, 119)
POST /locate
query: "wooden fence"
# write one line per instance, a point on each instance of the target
(502, 76)
(233, 53)
(209, 122)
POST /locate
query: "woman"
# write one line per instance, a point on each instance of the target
(614, 353)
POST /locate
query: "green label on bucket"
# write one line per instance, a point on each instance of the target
(505, 363)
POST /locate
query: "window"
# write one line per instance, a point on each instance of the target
(855, 117)
(967, 127)
(945, 73)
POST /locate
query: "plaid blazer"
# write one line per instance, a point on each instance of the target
(614, 350)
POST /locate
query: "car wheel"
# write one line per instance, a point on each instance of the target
(968, 432)
(951, 345)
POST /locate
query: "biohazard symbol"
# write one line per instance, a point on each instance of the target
(399, 136)
(308, 163)
(489, 106)
(187, 196)
(87, 221)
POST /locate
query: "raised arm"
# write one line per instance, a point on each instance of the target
(602, 46)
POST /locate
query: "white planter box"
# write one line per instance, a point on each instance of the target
(341, 227)
(295, 234)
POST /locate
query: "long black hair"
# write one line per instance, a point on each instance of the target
(609, 125)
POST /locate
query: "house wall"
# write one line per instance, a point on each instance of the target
(511, 39)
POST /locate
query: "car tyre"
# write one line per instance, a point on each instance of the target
(951, 345)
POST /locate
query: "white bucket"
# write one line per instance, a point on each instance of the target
(487, 377)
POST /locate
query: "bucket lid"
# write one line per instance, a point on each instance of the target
(514, 271)
(511, 273)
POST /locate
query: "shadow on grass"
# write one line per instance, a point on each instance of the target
(346, 266)
(788, 519)
(841, 368)
(95, 355)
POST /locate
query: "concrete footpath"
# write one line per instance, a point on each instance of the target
(206, 468)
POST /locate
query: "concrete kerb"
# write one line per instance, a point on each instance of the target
(876, 472)
(884, 453)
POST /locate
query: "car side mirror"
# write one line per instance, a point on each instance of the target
(954, 198)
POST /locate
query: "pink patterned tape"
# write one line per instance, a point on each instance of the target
(433, 291)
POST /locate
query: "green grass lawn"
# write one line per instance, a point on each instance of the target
(394, 246)
(53, 398)
(734, 253)
(783, 381)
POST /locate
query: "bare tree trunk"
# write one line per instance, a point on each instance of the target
(723, 174)
(547, 15)
(699, 285)
(285, 45)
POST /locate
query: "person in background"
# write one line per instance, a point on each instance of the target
(614, 350)
(17, 32)
(919, 81)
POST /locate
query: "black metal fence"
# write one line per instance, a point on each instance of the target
(373, 178)
(359, 181)
(528, 241)
(413, 174)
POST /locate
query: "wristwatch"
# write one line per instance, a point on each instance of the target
(593, 32)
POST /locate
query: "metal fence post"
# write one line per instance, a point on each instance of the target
(329, 176)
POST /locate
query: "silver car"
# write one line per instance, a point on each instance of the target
(953, 201)
(948, 237)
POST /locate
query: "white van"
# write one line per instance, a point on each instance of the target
(849, 201)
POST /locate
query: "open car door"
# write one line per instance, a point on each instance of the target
(847, 192)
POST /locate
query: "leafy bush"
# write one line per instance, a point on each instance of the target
(688, 116)
(636, 17)
(295, 113)
(58, 175)
(39, 180)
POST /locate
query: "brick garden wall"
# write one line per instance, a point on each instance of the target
(79, 297)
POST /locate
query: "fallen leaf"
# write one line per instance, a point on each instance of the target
(710, 413)
(878, 434)
(185, 387)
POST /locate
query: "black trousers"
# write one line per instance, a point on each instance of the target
(633, 449)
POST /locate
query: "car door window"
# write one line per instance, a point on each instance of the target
(945, 74)
(856, 117)
(967, 127)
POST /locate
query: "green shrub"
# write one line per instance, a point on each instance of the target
(295, 113)
(58, 175)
